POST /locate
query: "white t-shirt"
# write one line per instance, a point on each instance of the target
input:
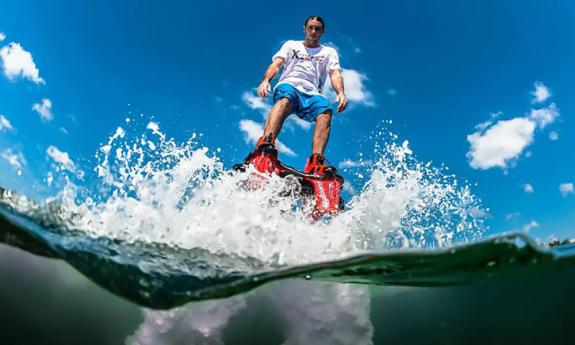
(307, 68)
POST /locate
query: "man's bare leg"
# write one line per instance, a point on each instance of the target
(321, 132)
(276, 118)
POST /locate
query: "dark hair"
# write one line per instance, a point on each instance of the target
(318, 18)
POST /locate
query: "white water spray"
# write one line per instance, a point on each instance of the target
(152, 189)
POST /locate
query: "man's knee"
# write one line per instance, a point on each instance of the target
(324, 117)
(283, 104)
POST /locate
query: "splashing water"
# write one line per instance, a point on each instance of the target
(152, 189)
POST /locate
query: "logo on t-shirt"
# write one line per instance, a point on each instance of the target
(306, 57)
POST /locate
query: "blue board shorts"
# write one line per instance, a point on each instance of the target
(306, 107)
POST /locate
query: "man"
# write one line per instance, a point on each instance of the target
(306, 66)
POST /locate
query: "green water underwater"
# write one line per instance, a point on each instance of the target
(504, 289)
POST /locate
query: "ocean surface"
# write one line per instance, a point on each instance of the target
(163, 246)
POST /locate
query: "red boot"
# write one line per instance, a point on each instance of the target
(316, 165)
(268, 142)
(265, 156)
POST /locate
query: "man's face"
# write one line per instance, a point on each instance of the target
(313, 30)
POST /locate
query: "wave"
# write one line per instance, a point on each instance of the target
(163, 276)
(163, 223)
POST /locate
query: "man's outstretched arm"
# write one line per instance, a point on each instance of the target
(337, 82)
(271, 72)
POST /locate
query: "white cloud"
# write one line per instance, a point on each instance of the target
(392, 92)
(483, 126)
(528, 188)
(44, 109)
(15, 159)
(531, 225)
(256, 103)
(355, 89)
(554, 136)
(2, 36)
(500, 144)
(541, 93)
(303, 124)
(64, 161)
(544, 116)
(5, 125)
(332, 45)
(348, 163)
(566, 188)
(253, 131)
(511, 216)
(351, 44)
(18, 62)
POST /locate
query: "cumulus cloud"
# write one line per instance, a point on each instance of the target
(64, 161)
(262, 105)
(355, 89)
(544, 116)
(528, 188)
(18, 63)
(253, 131)
(348, 163)
(554, 136)
(541, 93)
(44, 109)
(511, 216)
(255, 103)
(350, 44)
(529, 226)
(298, 122)
(500, 144)
(2, 36)
(15, 159)
(566, 188)
(5, 125)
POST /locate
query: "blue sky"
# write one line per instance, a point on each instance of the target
(438, 70)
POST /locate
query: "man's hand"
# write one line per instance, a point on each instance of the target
(273, 69)
(342, 102)
(264, 89)
(337, 83)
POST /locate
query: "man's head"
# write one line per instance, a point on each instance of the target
(313, 28)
